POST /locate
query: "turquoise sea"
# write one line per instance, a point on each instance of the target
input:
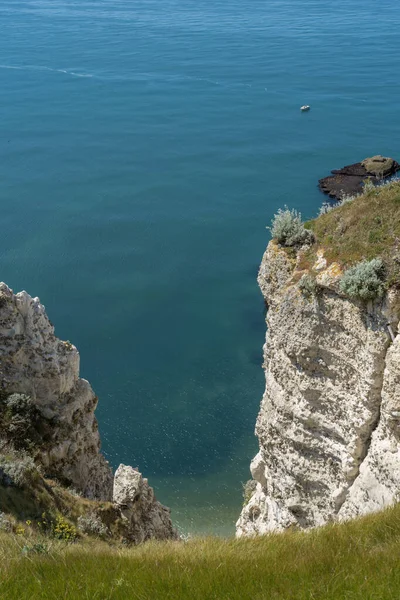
(144, 147)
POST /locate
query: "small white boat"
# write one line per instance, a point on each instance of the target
(305, 108)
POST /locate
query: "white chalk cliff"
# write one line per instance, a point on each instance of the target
(33, 361)
(329, 422)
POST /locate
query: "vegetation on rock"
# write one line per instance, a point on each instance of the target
(288, 229)
(21, 423)
(93, 525)
(62, 529)
(6, 523)
(363, 229)
(378, 165)
(308, 285)
(364, 281)
(17, 471)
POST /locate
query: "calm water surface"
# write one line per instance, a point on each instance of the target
(144, 147)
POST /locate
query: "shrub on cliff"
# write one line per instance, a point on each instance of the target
(5, 523)
(93, 525)
(21, 423)
(327, 207)
(63, 530)
(308, 285)
(288, 229)
(17, 471)
(364, 281)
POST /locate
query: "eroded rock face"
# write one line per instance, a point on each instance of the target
(143, 517)
(35, 362)
(65, 441)
(378, 482)
(328, 426)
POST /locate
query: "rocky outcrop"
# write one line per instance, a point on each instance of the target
(47, 412)
(36, 363)
(329, 422)
(142, 517)
(349, 180)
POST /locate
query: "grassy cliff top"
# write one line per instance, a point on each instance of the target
(364, 228)
(356, 560)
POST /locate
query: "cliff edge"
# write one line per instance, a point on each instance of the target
(329, 422)
(50, 457)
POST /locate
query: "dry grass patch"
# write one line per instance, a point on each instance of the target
(366, 228)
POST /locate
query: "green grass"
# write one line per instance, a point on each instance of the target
(365, 228)
(357, 560)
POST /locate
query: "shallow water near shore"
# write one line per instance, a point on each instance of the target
(144, 148)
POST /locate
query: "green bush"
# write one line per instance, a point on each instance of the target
(288, 229)
(37, 548)
(364, 281)
(5, 523)
(17, 471)
(63, 530)
(308, 285)
(93, 525)
(368, 186)
(21, 422)
(327, 207)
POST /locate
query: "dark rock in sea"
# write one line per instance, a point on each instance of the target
(349, 180)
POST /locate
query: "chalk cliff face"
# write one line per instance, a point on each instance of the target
(329, 422)
(33, 361)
